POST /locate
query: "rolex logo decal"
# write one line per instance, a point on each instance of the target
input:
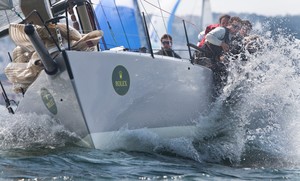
(48, 101)
(120, 80)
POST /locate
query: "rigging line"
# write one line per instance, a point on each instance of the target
(170, 14)
(162, 15)
(148, 16)
(142, 21)
(18, 14)
(172, 17)
(122, 25)
(108, 24)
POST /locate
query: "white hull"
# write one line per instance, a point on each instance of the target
(94, 96)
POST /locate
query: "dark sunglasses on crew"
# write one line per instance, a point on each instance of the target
(236, 26)
(246, 28)
(166, 42)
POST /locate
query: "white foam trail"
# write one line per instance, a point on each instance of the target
(258, 112)
(31, 130)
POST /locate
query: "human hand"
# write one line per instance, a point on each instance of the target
(225, 47)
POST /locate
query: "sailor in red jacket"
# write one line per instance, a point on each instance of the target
(223, 21)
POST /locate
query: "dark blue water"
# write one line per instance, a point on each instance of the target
(74, 163)
(250, 133)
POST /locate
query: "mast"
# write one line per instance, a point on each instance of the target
(202, 15)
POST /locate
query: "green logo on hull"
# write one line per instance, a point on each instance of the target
(48, 101)
(120, 80)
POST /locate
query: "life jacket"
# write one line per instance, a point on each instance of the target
(207, 30)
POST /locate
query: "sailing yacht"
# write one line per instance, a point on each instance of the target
(97, 94)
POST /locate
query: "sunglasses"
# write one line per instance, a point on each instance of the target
(166, 42)
(236, 26)
(246, 28)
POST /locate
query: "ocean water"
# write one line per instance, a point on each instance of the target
(251, 133)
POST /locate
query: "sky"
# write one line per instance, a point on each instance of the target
(261, 7)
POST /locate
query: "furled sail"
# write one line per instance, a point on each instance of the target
(10, 12)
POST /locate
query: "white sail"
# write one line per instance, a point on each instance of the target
(206, 16)
(6, 4)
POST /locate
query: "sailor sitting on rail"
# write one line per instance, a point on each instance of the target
(216, 44)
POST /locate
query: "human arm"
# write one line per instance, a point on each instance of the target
(216, 36)
(201, 35)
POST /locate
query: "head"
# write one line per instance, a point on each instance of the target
(246, 28)
(223, 20)
(234, 24)
(166, 41)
